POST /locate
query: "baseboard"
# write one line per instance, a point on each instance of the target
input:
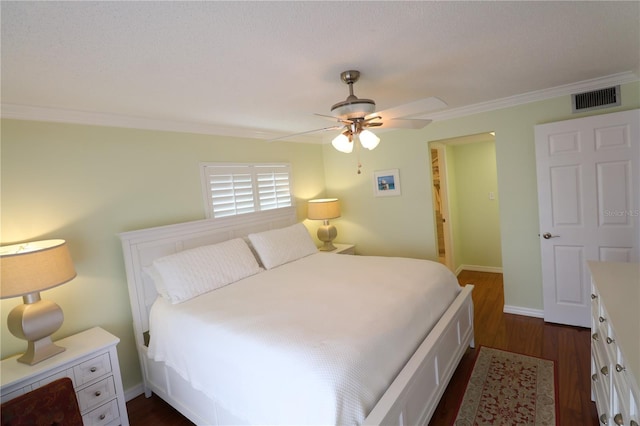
(519, 310)
(478, 268)
(134, 392)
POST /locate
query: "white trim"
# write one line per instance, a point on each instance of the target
(59, 115)
(519, 310)
(538, 95)
(36, 113)
(478, 268)
(134, 392)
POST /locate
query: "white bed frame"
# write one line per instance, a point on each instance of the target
(410, 400)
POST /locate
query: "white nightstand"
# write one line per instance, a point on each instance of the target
(91, 362)
(343, 249)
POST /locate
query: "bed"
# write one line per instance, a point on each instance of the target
(272, 343)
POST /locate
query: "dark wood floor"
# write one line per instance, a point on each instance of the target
(569, 347)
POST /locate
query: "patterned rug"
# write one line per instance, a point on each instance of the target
(508, 389)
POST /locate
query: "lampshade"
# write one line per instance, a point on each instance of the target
(342, 143)
(323, 209)
(368, 139)
(36, 266)
(26, 270)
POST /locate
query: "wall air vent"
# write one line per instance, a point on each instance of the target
(596, 99)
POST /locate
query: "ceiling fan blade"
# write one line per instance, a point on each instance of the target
(324, 129)
(412, 108)
(331, 117)
(400, 123)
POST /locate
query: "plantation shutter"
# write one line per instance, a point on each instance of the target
(273, 187)
(233, 189)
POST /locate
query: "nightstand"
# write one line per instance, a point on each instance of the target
(343, 249)
(91, 362)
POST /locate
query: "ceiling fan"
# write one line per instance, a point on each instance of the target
(356, 115)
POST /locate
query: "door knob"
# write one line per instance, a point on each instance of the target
(548, 235)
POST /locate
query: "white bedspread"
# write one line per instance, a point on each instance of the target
(315, 341)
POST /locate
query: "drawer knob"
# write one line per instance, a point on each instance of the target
(98, 393)
(602, 319)
(593, 296)
(93, 369)
(610, 340)
(102, 416)
(619, 368)
(617, 419)
(603, 419)
(604, 370)
(595, 336)
(594, 377)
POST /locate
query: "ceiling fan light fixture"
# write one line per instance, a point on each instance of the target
(342, 143)
(368, 139)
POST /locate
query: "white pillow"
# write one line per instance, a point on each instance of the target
(283, 245)
(190, 273)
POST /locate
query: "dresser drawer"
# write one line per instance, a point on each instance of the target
(96, 394)
(102, 415)
(600, 383)
(92, 369)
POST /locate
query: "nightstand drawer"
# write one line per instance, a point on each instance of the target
(96, 394)
(90, 359)
(64, 373)
(102, 415)
(92, 369)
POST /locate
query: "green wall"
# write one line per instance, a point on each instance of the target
(405, 225)
(86, 184)
(477, 218)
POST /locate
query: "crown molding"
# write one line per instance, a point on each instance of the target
(34, 113)
(538, 95)
(59, 115)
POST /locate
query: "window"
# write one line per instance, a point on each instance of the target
(233, 189)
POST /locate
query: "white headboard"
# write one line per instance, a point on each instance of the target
(141, 247)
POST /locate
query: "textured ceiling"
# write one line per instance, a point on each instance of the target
(268, 66)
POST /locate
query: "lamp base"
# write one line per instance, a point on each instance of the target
(327, 233)
(327, 246)
(35, 321)
(39, 350)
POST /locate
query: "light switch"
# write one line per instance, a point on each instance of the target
(492, 196)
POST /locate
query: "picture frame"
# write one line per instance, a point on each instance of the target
(386, 183)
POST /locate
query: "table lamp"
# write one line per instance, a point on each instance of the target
(325, 209)
(25, 270)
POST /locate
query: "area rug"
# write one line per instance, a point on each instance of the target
(509, 389)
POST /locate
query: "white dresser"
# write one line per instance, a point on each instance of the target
(91, 362)
(615, 342)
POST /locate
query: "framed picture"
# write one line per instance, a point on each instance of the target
(386, 183)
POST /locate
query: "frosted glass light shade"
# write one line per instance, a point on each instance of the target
(342, 143)
(368, 139)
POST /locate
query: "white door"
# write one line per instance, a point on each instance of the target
(588, 192)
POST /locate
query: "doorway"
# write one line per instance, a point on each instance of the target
(466, 203)
(438, 170)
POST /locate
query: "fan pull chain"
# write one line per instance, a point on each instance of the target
(358, 155)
